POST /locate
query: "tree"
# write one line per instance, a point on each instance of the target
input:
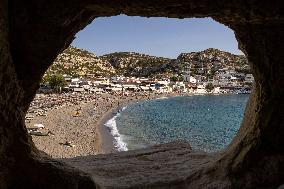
(174, 78)
(209, 87)
(56, 82)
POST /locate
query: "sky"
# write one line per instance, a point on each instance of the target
(165, 37)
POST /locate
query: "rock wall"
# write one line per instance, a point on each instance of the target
(33, 33)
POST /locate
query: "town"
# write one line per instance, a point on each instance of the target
(225, 81)
(207, 72)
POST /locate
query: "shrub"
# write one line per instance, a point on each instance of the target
(209, 87)
(56, 82)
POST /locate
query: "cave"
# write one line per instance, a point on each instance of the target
(33, 33)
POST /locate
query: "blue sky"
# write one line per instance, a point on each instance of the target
(165, 37)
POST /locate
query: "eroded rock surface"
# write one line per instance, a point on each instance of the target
(33, 33)
(171, 165)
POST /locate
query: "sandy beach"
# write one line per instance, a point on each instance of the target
(75, 127)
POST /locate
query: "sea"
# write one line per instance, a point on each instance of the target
(207, 122)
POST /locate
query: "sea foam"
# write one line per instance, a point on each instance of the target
(123, 108)
(118, 142)
(163, 97)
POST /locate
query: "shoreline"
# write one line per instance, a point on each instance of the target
(107, 140)
(74, 135)
(88, 132)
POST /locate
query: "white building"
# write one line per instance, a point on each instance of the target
(102, 80)
(249, 78)
(164, 82)
(201, 89)
(75, 80)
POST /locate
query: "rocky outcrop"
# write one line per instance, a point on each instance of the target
(78, 62)
(155, 167)
(214, 58)
(33, 33)
(136, 64)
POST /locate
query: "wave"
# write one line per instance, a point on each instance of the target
(123, 108)
(118, 142)
(164, 97)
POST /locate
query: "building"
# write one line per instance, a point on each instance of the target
(249, 78)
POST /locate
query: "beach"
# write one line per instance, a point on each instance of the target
(73, 123)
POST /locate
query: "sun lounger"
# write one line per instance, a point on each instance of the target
(39, 126)
(38, 133)
(69, 144)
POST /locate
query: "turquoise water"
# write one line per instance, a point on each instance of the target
(207, 122)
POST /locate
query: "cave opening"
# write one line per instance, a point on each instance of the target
(253, 153)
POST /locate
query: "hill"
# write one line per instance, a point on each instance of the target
(78, 62)
(136, 64)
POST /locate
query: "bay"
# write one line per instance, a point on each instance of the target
(207, 122)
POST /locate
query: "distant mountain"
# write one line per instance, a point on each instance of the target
(78, 62)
